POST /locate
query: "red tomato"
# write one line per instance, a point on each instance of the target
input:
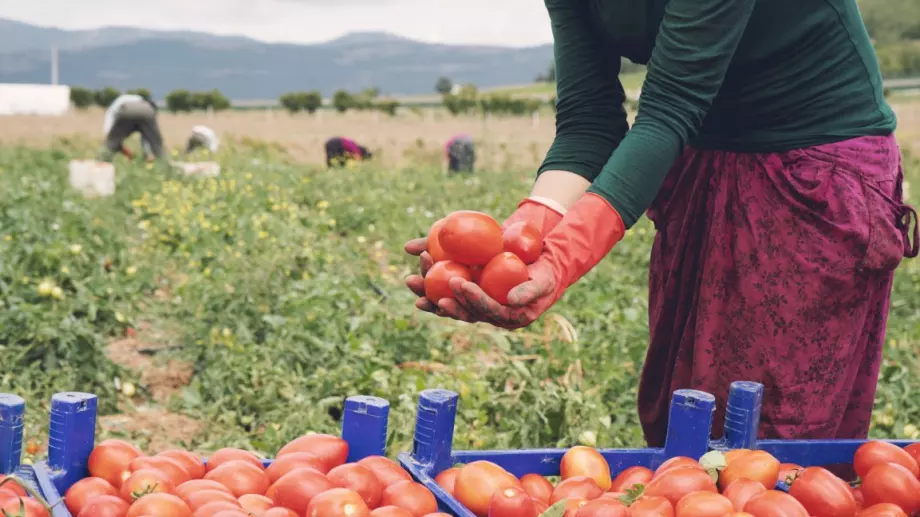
(189, 487)
(291, 461)
(110, 459)
(331, 450)
(674, 483)
(436, 281)
(703, 504)
(511, 502)
(578, 487)
(758, 466)
(477, 481)
(296, 488)
(630, 477)
(360, 479)
(14, 487)
(196, 500)
(232, 513)
(587, 462)
(412, 496)
(502, 274)
(789, 471)
(774, 503)
(892, 483)
(114, 442)
(386, 470)
(872, 453)
(538, 487)
(823, 494)
(540, 506)
(434, 247)
(733, 454)
(213, 508)
(222, 456)
(191, 462)
(651, 507)
(741, 491)
(738, 514)
(914, 450)
(103, 506)
(439, 514)
(172, 468)
(476, 274)
(143, 482)
(447, 479)
(391, 511)
(82, 491)
(675, 462)
(573, 505)
(159, 505)
(603, 508)
(471, 238)
(338, 502)
(22, 507)
(278, 512)
(241, 477)
(858, 496)
(524, 241)
(255, 503)
(882, 510)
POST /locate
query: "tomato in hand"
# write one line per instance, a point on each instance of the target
(471, 238)
(537, 487)
(360, 479)
(511, 502)
(478, 481)
(603, 508)
(386, 470)
(630, 477)
(241, 477)
(338, 502)
(774, 503)
(741, 491)
(433, 245)
(502, 274)
(524, 241)
(331, 450)
(82, 491)
(447, 479)
(225, 455)
(578, 487)
(892, 483)
(585, 461)
(110, 459)
(758, 466)
(703, 504)
(159, 505)
(143, 482)
(823, 494)
(875, 452)
(436, 281)
(103, 506)
(882, 510)
(412, 496)
(191, 462)
(674, 483)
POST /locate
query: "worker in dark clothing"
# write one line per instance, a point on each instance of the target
(461, 154)
(339, 150)
(131, 113)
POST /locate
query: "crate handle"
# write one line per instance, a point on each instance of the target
(71, 436)
(689, 424)
(434, 429)
(12, 410)
(364, 426)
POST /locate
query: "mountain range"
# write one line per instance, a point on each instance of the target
(244, 68)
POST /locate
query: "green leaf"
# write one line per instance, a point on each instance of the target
(556, 510)
(713, 462)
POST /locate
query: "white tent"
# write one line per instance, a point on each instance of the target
(34, 99)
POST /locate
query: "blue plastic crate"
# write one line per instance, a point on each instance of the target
(71, 438)
(688, 435)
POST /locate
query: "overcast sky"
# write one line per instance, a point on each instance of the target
(502, 22)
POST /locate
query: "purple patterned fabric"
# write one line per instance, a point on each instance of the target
(776, 268)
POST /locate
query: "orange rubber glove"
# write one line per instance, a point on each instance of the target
(543, 214)
(586, 234)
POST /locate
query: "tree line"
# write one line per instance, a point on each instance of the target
(176, 100)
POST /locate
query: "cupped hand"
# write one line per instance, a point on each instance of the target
(416, 283)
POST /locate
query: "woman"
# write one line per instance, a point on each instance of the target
(763, 152)
(127, 114)
(461, 154)
(202, 137)
(340, 149)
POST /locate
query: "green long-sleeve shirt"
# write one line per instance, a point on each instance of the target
(736, 75)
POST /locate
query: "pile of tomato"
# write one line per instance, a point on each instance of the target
(309, 477)
(471, 245)
(739, 483)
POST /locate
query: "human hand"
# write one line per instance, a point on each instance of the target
(416, 283)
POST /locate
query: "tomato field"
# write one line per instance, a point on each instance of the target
(241, 311)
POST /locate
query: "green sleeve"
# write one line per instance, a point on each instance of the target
(590, 118)
(694, 47)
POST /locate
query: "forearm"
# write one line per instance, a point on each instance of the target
(562, 187)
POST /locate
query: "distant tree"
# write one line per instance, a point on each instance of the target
(106, 96)
(462, 102)
(444, 85)
(342, 101)
(290, 102)
(179, 100)
(388, 106)
(217, 100)
(81, 98)
(143, 92)
(311, 101)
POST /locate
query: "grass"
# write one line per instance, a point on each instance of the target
(270, 294)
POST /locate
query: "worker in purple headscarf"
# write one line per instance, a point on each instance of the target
(340, 149)
(461, 154)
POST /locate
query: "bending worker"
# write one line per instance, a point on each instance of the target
(461, 154)
(127, 114)
(340, 150)
(774, 182)
(202, 137)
